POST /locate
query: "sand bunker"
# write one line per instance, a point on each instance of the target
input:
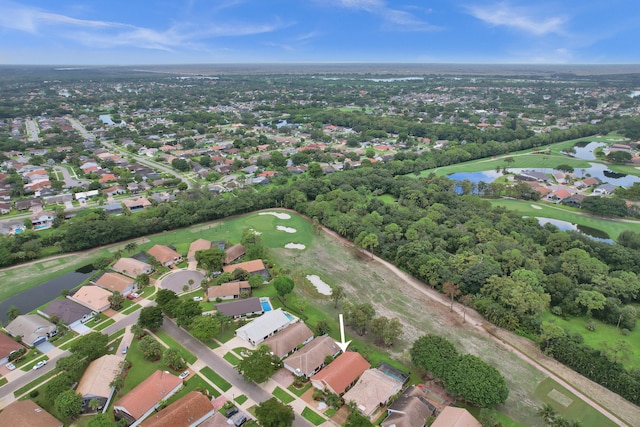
(536, 207)
(322, 287)
(277, 215)
(287, 229)
(257, 233)
(294, 246)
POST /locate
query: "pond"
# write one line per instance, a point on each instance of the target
(585, 150)
(475, 177)
(594, 233)
(35, 297)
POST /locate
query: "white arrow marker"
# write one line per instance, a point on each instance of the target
(343, 345)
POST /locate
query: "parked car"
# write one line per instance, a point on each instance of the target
(197, 299)
(185, 374)
(125, 349)
(231, 412)
(39, 365)
(10, 366)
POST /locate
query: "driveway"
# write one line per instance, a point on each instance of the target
(176, 280)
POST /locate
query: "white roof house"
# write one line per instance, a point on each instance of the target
(264, 326)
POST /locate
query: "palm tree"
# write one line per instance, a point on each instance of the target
(131, 246)
(548, 414)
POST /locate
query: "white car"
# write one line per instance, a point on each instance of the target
(10, 366)
(198, 299)
(39, 365)
(185, 374)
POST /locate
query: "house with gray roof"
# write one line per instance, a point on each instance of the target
(261, 328)
(311, 358)
(32, 329)
(240, 308)
(69, 312)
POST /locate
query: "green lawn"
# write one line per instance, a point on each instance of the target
(231, 358)
(299, 392)
(605, 335)
(104, 324)
(195, 383)
(241, 399)
(313, 417)
(569, 406)
(220, 382)
(131, 309)
(41, 379)
(283, 395)
(611, 227)
(164, 337)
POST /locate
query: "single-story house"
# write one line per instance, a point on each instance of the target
(341, 374)
(165, 255)
(7, 346)
(113, 208)
(455, 417)
(132, 267)
(116, 282)
(198, 245)
(189, 411)
(138, 204)
(254, 267)
(69, 312)
(372, 391)
(25, 413)
(604, 190)
(233, 253)
(93, 297)
(310, 358)
(535, 175)
(32, 329)
(240, 308)
(140, 402)
(410, 409)
(229, 290)
(264, 326)
(289, 339)
(95, 381)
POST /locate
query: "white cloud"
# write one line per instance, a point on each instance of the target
(394, 18)
(521, 18)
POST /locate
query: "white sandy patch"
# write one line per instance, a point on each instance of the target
(287, 229)
(536, 207)
(278, 215)
(322, 287)
(257, 233)
(295, 246)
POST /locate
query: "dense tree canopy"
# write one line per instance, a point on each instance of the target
(259, 365)
(272, 413)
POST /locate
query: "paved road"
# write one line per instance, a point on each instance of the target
(69, 182)
(32, 130)
(222, 367)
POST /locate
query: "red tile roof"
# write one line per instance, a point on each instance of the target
(148, 393)
(344, 370)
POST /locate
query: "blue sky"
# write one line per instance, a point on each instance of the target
(210, 31)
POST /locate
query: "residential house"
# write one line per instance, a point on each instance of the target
(558, 195)
(140, 402)
(165, 255)
(604, 190)
(230, 290)
(68, 312)
(341, 374)
(240, 308)
(258, 330)
(116, 282)
(137, 204)
(189, 411)
(198, 245)
(575, 200)
(289, 339)
(5, 208)
(534, 176)
(26, 204)
(95, 381)
(7, 346)
(233, 253)
(132, 267)
(113, 208)
(32, 329)
(114, 191)
(373, 391)
(254, 267)
(587, 182)
(25, 413)
(410, 409)
(92, 297)
(311, 358)
(455, 417)
(43, 219)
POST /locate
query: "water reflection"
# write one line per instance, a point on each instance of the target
(594, 233)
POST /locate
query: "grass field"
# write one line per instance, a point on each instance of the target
(570, 407)
(611, 227)
(283, 395)
(313, 417)
(605, 336)
(220, 382)
(231, 358)
(186, 355)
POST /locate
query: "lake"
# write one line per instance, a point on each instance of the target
(585, 152)
(41, 294)
(593, 233)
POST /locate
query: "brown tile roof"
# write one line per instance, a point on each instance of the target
(455, 417)
(239, 307)
(312, 355)
(233, 253)
(163, 253)
(218, 420)
(184, 412)
(96, 378)
(198, 245)
(251, 266)
(114, 282)
(344, 370)
(93, 297)
(374, 388)
(227, 289)
(148, 393)
(8, 345)
(25, 413)
(131, 266)
(289, 338)
(410, 409)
